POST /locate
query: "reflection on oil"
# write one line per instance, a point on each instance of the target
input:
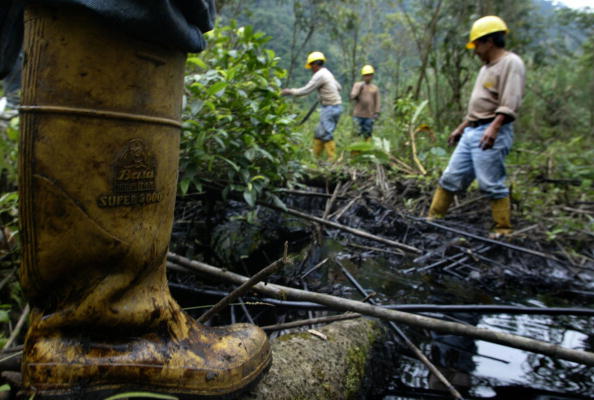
(478, 369)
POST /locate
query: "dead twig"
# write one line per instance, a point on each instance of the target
(17, 328)
(311, 321)
(336, 216)
(345, 228)
(360, 246)
(263, 274)
(330, 203)
(318, 265)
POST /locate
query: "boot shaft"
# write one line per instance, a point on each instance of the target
(99, 162)
(440, 203)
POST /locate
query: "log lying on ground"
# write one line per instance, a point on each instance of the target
(341, 304)
(305, 366)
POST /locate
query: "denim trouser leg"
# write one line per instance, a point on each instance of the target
(329, 117)
(469, 161)
(365, 126)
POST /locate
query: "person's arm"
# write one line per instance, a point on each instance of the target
(377, 104)
(314, 83)
(457, 133)
(356, 90)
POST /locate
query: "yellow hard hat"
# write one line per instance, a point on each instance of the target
(367, 70)
(315, 56)
(484, 26)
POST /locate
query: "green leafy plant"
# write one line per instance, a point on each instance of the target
(237, 128)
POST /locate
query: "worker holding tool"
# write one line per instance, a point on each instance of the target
(485, 136)
(100, 119)
(329, 92)
(367, 103)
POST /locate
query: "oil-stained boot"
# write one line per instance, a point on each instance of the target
(501, 212)
(98, 171)
(440, 203)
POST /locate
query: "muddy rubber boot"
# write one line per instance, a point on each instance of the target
(98, 175)
(440, 203)
(501, 212)
(330, 147)
(318, 147)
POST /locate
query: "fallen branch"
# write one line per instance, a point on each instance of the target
(437, 325)
(17, 328)
(486, 240)
(247, 285)
(412, 308)
(311, 321)
(345, 228)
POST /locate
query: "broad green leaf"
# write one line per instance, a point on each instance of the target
(216, 88)
(197, 61)
(250, 198)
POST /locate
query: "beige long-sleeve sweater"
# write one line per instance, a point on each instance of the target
(498, 89)
(367, 100)
(327, 86)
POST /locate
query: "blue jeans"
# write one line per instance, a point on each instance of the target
(365, 126)
(469, 161)
(329, 117)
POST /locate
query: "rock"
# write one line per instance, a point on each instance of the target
(305, 366)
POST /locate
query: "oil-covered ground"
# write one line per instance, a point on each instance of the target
(455, 274)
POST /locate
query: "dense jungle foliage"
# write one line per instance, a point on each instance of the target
(241, 135)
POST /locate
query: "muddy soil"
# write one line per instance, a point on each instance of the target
(454, 266)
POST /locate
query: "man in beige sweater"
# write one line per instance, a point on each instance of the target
(367, 103)
(328, 89)
(485, 136)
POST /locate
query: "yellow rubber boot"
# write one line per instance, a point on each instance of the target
(99, 151)
(330, 147)
(440, 203)
(318, 147)
(501, 212)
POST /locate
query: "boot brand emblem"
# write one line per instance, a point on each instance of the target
(134, 178)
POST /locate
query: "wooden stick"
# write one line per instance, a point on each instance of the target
(377, 249)
(7, 278)
(354, 231)
(336, 216)
(17, 328)
(311, 321)
(337, 303)
(330, 203)
(247, 285)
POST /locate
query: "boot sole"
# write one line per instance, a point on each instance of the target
(101, 392)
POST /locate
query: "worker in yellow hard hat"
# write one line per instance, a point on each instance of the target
(485, 136)
(367, 102)
(329, 92)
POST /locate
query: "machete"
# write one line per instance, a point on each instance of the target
(311, 110)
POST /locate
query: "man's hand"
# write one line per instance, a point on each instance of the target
(286, 92)
(376, 115)
(488, 139)
(490, 135)
(454, 137)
